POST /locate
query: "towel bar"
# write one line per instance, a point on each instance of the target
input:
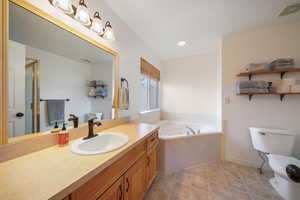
(54, 99)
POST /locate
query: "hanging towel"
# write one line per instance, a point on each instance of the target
(55, 111)
(124, 98)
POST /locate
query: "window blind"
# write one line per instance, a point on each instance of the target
(149, 70)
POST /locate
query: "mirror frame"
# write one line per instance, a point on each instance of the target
(4, 7)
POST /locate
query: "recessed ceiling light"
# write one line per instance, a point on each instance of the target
(181, 43)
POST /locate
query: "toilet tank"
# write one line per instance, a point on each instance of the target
(275, 141)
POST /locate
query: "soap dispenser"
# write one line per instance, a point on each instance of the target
(63, 136)
(56, 128)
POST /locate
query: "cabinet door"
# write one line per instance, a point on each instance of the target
(115, 192)
(135, 180)
(67, 198)
(152, 165)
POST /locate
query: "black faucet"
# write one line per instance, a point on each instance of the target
(91, 124)
(74, 119)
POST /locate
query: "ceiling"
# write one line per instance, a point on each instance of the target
(29, 29)
(201, 23)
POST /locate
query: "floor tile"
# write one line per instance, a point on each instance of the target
(214, 181)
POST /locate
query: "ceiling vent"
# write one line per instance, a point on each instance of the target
(290, 9)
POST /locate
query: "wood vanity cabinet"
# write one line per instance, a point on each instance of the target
(128, 178)
(67, 198)
(135, 180)
(152, 158)
(115, 192)
(152, 165)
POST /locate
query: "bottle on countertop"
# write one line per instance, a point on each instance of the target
(56, 128)
(63, 136)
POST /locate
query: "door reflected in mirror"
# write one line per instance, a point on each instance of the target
(52, 74)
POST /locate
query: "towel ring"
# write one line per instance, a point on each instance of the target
(124, 80)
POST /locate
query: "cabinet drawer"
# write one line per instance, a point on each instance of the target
(152, 140)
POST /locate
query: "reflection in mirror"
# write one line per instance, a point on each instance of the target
(52, 73)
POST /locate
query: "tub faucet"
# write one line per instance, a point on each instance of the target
(192, 130)
(91, 124)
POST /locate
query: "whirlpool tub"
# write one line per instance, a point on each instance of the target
(184, 144)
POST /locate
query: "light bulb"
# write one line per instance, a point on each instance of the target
(97, 25)
(181, 43)
(108, 33)
(64, 5)
(82, 14)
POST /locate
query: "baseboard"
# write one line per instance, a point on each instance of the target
(246, 163)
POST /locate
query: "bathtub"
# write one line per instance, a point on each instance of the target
(182, 147)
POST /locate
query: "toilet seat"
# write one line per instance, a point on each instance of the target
(278, 163)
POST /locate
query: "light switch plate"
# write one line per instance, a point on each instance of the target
(227, 100)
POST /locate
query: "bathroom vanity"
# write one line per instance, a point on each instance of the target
(127, 178)
(125, 173)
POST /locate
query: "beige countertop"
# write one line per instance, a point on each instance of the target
(55, 172)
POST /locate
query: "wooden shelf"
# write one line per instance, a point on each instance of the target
(282, 95)
(275, 71)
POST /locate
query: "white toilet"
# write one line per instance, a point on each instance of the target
(278, 145)
(288, 189)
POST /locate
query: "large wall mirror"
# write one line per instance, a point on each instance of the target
(52, 74)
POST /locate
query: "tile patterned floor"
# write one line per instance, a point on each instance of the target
(226, 181)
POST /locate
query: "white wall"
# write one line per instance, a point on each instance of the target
(103, 71)
(16, 88)
(191, 88)
(128, 44)
(62, 78)
(240, 49)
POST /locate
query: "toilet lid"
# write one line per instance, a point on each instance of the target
(279, 163)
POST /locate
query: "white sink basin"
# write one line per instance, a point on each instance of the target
(103, 143)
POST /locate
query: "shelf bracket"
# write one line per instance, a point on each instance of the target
(250, 97)
(282, 96)
(250, 77)
(282, 74)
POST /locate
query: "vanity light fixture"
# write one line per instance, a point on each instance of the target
(82, 14)
(64, 5)
(108, 32)
(97, 25)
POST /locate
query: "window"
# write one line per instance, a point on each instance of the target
(149, 84)
(149, 93)
(153, 94)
